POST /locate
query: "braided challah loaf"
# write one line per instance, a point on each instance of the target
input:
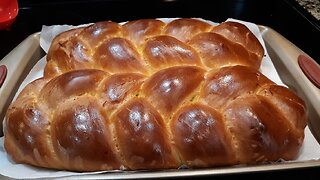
(151, 95)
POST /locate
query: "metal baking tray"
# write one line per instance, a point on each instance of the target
(282, 52)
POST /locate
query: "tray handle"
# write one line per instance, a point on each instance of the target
(3, 74)
(284, 55)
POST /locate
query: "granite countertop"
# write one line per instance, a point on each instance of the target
(312, 6)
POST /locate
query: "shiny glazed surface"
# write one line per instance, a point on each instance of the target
(148, 95)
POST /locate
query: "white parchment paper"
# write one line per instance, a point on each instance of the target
(310, 149)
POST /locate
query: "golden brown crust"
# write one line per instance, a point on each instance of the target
(150, 45)
(240, 34)
(201, 137)
(150, 95)
(142, 137)
(185, 29)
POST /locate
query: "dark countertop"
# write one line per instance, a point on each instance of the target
(284, 16)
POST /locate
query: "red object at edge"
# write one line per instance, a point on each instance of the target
(8, 13)
(310, 68)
